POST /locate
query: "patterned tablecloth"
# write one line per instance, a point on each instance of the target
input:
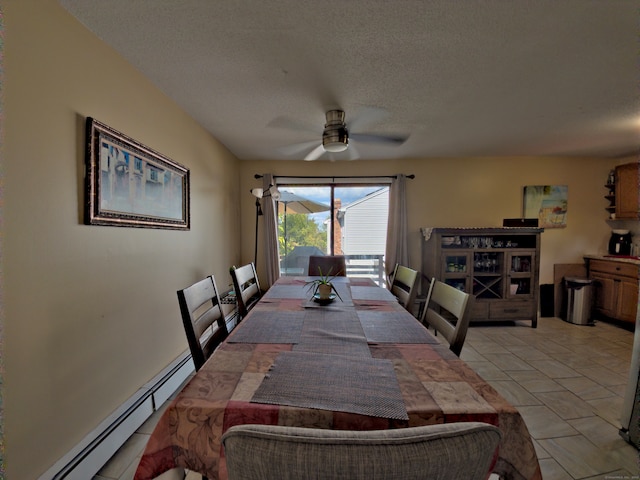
(334, 344)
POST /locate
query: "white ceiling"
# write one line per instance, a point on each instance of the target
(460, 77)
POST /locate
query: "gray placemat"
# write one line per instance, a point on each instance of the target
(269, 327)
(372, 293)
(334, 332)
(338, 322)
(320, 340)
(393, 327)
(352, 346)
(287, 291)
(366, 386)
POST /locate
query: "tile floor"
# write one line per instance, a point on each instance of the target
(568, 382)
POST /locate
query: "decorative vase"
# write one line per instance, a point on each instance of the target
(324, 290)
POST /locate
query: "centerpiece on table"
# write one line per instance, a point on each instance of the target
(322, 289)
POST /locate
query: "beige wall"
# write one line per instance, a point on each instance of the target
(90, 312)
(472, 192)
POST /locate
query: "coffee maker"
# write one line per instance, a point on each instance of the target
(620, 242)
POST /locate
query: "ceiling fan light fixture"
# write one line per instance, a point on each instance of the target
(335, 139)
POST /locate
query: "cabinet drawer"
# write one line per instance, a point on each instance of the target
(480, 310)
(614, 268)
(512, 309)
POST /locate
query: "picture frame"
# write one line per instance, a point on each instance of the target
(130, 185)
(547, 203)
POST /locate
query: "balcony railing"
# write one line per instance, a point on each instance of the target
(358, 266)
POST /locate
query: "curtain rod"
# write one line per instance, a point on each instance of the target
(412, 176)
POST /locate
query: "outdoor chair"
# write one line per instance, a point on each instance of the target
(328, 265)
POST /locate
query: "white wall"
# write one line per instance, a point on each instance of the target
(90, 313)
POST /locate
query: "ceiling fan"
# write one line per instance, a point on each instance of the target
(336, 136)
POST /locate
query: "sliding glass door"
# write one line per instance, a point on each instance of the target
(334, 220)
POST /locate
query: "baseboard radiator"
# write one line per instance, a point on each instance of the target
(90, 455)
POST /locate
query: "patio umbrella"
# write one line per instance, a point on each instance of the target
(297, 204)
(292, 203)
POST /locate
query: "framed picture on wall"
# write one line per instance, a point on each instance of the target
(547, 203)
(130, 185)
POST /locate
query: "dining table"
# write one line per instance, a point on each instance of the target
(358, 362)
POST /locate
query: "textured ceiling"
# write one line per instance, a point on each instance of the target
(460, 77)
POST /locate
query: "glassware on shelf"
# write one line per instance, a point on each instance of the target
(477, 262)
(515, 264)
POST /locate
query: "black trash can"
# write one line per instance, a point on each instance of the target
(579, 300)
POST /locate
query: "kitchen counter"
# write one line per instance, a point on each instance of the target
(615, 258)
(615, 278)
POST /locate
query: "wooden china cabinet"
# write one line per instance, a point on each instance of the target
(500, 266)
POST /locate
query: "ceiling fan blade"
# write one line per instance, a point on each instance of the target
(315, 154)
(367, 116)
(376, 138)
(352, 153)
(296, 148)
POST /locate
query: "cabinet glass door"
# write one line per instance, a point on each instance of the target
(520, 266)
(455, 269)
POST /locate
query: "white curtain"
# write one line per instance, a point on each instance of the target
(397, 241)
(271, 255)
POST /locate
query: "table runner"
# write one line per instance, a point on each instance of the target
(339, 333)
(366, 386)
(393, 327)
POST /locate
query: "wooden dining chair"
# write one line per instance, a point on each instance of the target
(403, 285)
(328, 265)
(448, 311)
(452, 451)
(246, 286)
(203, 319)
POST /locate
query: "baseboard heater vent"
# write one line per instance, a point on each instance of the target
(86, 458)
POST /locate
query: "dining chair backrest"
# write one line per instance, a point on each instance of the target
(203, 319)
(328, 265)
(451, 451)
(403, 285)
(448, 311)
(246, 286)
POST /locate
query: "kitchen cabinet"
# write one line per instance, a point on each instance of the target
(616, 288)
(499, 266)
(623, 195)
